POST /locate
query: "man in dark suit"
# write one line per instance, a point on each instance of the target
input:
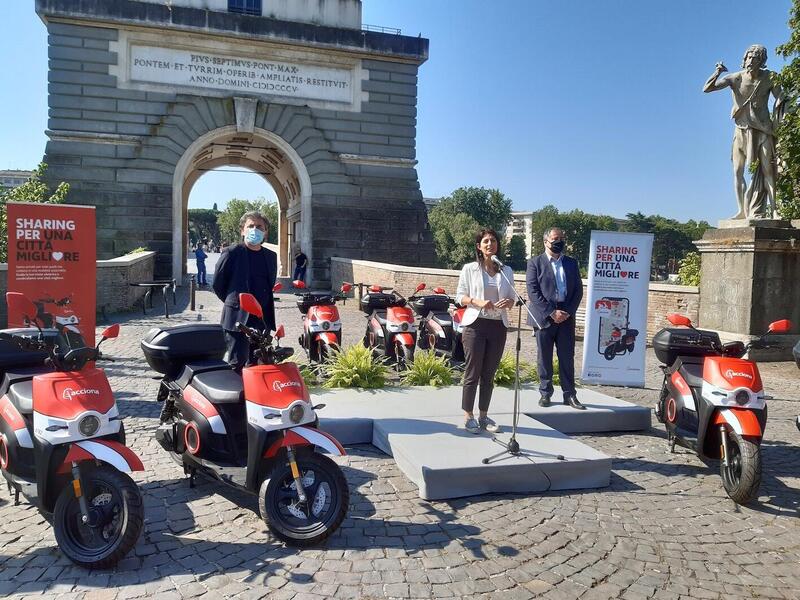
(555, 290)
(246, 267)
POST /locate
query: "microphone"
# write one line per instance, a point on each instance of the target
(497, 261)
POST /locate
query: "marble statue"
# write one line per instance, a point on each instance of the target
(754, 137)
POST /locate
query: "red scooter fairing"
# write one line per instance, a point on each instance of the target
(328, 337)
(200, 403)
(304, 436)
(405, 339)
(274, 386)
(742, 421)
(112, 452)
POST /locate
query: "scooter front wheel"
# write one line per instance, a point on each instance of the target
(609, 352)
(325, 351)
(405, 356)
(116, 516)
(742, 476)
(310, 522)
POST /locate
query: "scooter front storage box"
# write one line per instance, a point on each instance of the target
(310, 299)
(168, 349)
(671, 342)
(432, 303)
(376, 301)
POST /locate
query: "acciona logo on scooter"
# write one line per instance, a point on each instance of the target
(69, 393)
(279, 385)
(730, 374)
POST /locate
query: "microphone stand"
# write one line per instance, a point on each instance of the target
(512, 446)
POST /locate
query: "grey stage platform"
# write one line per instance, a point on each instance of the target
(422, 428)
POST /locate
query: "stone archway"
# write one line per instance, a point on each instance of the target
(266, 154)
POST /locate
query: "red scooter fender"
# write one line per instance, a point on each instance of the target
(328, 337)
(112, 452)
(741, 420)
(405, 339)
(306, 436)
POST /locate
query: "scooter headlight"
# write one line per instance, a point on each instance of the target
(296, 413)
(326, 325)
(742, 397)
(404, 326)
(89, 425)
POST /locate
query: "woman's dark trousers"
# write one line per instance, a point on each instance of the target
(484, 342)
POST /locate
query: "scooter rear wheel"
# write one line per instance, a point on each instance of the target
(304, 524)
(742, 477)
(115, 502)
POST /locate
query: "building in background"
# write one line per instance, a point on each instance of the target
(13, 178)
(521, 223)
(431, 202)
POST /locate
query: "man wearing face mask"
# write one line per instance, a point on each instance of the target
(555, 290)
(246, 267)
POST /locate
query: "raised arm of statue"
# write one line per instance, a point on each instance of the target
(713, 83)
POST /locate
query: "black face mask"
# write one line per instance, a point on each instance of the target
(557, 247)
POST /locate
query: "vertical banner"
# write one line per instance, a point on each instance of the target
(615, 337)
(52, 257)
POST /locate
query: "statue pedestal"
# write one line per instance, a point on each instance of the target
(768, 223)
(750, 276)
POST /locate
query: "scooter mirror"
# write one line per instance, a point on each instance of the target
(277, 287)
(109, 333)
(250, 305)
(781, 326)
(439, 290)
(300, 285)
(679, 320)
(420, 287)
(346, 287)
(19, 303)
(348, 283)
(375, 288)
(280, 333)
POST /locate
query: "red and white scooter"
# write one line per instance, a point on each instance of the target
(712, 401)
(391, 331)
(322, 325)
(62, 444)
(255, 430)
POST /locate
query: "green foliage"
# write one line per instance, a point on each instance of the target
(506, 371)
(309, 374)
(532, 373)
(516, 253)
(428, 369)
(33, 190)
(203, 225)
(228, 219)
(788, 185)
(138, 250)
(689, 272)
(453, 234)
(672, 240)
(354, 366)
(456, 219)
(577, 226)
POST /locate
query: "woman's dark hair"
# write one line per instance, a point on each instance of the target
(480, 235)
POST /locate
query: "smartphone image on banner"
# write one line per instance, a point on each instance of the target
(614, 314)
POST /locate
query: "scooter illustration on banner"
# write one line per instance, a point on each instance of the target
(712, 401)
(62, 444)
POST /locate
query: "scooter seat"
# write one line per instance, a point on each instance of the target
(443, 318)
(222, 386)
(21, 396)
(380, 315)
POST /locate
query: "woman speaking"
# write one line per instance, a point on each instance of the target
(487, 295)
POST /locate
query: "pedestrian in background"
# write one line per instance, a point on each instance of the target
(300, 263)
(200, 257)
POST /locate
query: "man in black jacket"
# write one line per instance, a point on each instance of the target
(246, 267)
(555, 290)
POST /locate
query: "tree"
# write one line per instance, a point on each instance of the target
(516, 254)
(542, 220)
(489, 208)
(33, 190)
(203, 224)
(689, 272)
(788, 185)
(228, 219)
(453, 234)
(577, 226)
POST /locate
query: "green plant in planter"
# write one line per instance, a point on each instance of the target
(532, 373)
(354, 366)
(506, 370)
(428, 369)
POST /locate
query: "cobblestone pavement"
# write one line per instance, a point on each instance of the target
(664, 528)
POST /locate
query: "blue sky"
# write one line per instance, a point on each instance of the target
(581, 104)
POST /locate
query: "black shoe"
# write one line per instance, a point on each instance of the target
(572, 400)
(544, 400)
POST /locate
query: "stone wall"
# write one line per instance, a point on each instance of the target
(663, 299)
(113, 292)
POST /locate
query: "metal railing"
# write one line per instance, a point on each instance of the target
(380, 29)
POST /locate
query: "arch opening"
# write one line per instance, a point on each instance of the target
(263, 153)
